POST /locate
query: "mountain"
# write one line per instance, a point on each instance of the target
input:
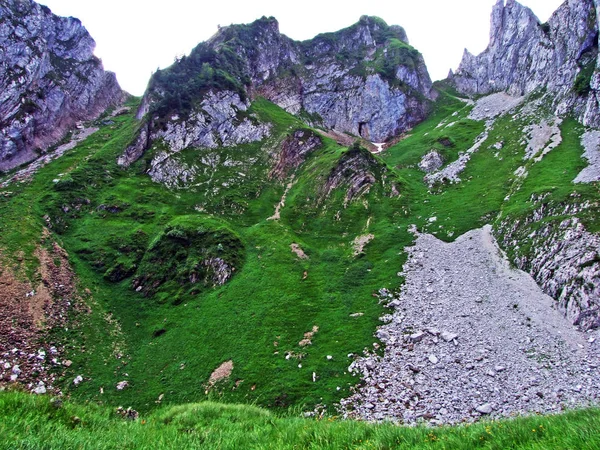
(525, 55)
(365, 80)
(49, 78)
(316, 225)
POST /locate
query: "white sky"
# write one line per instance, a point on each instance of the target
(135, 37)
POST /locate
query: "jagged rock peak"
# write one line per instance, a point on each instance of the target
(49, 80)
(525, 55)
(365, 80)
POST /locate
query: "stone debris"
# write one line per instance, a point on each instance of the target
(487, 342)
(40, 389)
(128, 414)
(308, 337)
(485, 409)
(431, 162)
(495, 105)
(451, 172)
(298, 251)
(122, 385)
(281, 204)
(542, 139)
(448, 337)
(361, 242)
(221, 373)
(591, 143)
(27, 312)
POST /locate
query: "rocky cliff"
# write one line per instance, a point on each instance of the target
(525, 55)
(49, 80)
(365, 80)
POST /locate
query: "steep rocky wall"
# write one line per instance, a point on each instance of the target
(560, 60)
(591, 115)
(525, 55)
(338, 80)
(49, 80)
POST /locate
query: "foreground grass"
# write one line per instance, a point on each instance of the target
(28, 422)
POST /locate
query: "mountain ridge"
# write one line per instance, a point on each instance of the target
(365, 80)
(525, 55)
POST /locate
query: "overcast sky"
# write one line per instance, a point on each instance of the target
(135, 37)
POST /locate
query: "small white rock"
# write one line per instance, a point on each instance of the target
(448, 336)
(40, 389)
(484, 409)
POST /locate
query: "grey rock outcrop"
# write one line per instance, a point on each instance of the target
(215, 124)
(431, 162)
(355, 171)
(562, 256)
(525, 55)
(49, 80)
(365, 80)
(294, 151)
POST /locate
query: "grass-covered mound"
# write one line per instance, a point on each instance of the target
(190, 254)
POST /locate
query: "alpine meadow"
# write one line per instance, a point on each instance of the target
(302, 244)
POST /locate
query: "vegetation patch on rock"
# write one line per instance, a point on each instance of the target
(192, 254)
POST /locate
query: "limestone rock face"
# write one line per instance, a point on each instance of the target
(49, 80)
(365, 80)
(559, 60)
(524, 55)
(216, 123)
(563, 258)
(294, 151)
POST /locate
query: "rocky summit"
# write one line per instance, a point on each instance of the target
(525, 55)
(50, 80)
(308, 226)
(366, 80)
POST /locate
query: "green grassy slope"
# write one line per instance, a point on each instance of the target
(166, 343)
(170, 342)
